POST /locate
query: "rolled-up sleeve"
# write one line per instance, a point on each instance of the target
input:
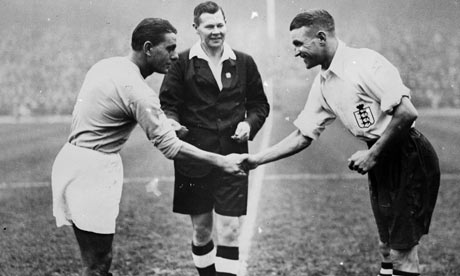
(153, 121)
(316, 115)
(383, 81)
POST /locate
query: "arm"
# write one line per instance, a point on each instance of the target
(171, 97)
(403, 117)
(290, 145)
(151, 118)
(229, 164)
(257, 106)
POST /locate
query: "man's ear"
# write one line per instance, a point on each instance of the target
(195, 26)
(147, 47)
(322, 37)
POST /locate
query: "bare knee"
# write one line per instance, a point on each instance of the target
(96, 252)
(97, 262)
(202, 228)
(201, 235)
(228, 230)
(384, 249)
(405, 260)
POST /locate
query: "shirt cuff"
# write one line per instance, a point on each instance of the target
(168, 144)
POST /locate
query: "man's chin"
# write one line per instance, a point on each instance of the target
(164, 71)
(216, 44)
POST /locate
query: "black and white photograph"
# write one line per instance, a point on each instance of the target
(230, 138)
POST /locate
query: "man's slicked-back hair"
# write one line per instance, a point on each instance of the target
(151, 29)
(316, 18)
(205, 7)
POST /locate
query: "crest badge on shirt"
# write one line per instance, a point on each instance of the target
(364, 116)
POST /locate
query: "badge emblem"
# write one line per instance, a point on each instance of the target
(364, 116)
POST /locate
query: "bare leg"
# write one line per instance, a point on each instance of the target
(202, 228)
(203, 250)
(96, 252)
(406, 260)
(228, 232)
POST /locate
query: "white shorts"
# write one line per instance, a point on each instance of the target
(87, 186)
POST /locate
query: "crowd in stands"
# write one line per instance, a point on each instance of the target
(42, 73)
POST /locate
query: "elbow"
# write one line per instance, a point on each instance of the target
(303, 141)
(306, 142)
(407, 111)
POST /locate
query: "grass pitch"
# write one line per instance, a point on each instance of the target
(319, 225)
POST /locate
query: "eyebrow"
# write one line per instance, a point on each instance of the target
(297, 43)
(171, 47)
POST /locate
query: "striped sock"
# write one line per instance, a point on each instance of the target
(203, 257)
(403, 273)
(386, 269)
(227, 263)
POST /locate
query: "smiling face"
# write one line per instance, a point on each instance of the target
(163, 54)
(212, 29)
(308, 46)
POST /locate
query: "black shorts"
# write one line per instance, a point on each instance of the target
(403, 189)
(226, 194)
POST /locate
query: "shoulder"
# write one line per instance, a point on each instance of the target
(182, 61)
(184, 54)
(365, 57)
(243, 56)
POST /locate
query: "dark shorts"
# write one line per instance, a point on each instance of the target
(403, 189)
(226, 194)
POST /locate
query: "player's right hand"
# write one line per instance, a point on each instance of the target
(233, 164)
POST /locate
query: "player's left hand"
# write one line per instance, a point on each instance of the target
(242, 132)
(362, 161)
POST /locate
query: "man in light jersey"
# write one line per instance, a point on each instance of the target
(365, 91)
(87, 175)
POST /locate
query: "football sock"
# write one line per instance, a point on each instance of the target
(204, 257)
(227, 263)
(403, 273)
(386, 269)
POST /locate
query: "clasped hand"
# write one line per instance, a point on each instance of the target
(239, 164)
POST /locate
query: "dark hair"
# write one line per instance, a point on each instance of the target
(206, 7)
(151, 29)
(320, 19)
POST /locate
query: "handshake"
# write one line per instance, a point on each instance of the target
(238, 164)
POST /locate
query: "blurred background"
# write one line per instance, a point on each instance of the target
(315, 217)
(47, 46)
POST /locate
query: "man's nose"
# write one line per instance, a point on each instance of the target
(215, 30)
(297, 51)
(174, 56)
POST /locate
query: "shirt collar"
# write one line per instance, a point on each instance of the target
(197, 51)
(337, 62)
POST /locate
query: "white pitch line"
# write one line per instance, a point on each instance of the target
(270, 177)
(257, 177)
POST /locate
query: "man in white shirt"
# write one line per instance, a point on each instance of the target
(365, 91)
(87, 175)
